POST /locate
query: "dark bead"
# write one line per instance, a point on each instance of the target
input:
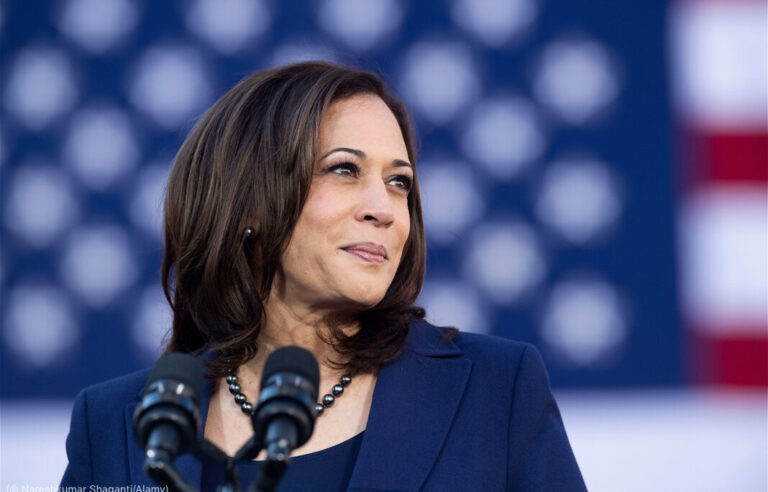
(345, 380)
(234, 388)
(231, 379)
(240, 398)
(337, 390)
(247, 408)
(328, 400)
(319, 409)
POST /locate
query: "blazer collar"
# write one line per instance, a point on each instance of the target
(426, 339)
(414, 402)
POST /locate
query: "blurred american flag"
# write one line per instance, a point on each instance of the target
(719, 66)
(546, 163)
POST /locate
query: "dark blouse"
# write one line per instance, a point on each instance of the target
(327, 470)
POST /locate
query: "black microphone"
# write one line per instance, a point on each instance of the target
(284, 417)
(166, 421)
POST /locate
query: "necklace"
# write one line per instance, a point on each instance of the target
(327, 401)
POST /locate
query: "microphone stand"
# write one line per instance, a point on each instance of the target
(163, 472)
(273, 468)
(280, 438)
(207, 451)
(249, 450)
(159, 467)
(271, 472)
(269, 476)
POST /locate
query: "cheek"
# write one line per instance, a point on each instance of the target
(317, 217)
(403, 227)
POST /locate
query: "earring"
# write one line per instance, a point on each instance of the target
(249, 232)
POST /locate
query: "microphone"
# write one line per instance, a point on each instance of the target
(284, 417)
(166, 420)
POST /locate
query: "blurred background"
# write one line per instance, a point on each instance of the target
(594, 182)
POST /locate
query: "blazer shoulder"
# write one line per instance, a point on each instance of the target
(116, 392)
(475, 344)
(429, 339)
(97, 431)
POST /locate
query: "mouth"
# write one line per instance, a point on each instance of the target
(370, 252)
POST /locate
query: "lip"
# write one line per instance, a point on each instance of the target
(370, 252)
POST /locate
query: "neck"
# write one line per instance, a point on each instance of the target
(306, 326)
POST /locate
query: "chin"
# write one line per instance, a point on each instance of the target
(366, 290)
(366, 299)
(368, 302)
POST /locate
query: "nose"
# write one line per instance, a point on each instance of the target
(375, 204)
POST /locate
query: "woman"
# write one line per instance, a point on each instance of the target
(293, 217)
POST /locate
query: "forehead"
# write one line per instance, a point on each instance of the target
(363, 122)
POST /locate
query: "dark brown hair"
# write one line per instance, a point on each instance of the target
(249, 162)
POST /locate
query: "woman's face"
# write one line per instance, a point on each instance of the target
(347, 244)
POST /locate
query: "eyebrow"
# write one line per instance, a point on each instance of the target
(362, 155)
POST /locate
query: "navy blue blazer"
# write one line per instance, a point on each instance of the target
(473, 414)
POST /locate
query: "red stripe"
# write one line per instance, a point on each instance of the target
(727, 157)
(733, 361)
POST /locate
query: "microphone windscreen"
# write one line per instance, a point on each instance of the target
(179, 367)
(291, 359)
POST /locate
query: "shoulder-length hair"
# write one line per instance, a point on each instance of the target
(249, 162)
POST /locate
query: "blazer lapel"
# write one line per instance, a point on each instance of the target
(187, 464)
(413, 406)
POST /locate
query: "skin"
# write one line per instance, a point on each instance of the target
(357, 196)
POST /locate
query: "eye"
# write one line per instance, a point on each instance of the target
(344, 169)
(402, 181)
